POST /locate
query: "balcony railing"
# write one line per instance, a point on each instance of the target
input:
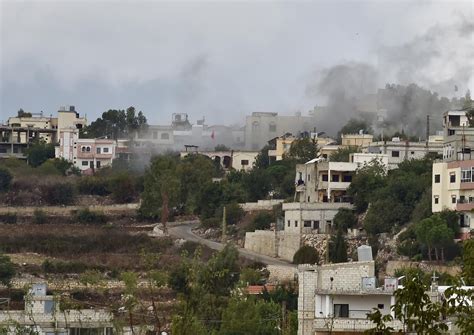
(348, 324)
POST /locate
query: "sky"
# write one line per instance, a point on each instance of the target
(222, 60)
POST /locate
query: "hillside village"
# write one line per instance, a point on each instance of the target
(122, 227)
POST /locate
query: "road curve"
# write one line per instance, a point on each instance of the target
(185, 232)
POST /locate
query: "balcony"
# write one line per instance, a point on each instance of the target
(464, 205)
(348, 324)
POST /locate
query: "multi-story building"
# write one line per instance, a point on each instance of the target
(91, 154)
(398, 150)
(42, 315)
(237, 160)
(453, 178)
(261, 127)
(21, 131)
(282, 144)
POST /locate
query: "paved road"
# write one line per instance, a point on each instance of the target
(185, 232)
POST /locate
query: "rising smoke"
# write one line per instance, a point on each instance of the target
(436, 64)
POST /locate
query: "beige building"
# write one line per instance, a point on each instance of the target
(262, 127)
(19, 132)
(453, 188)
(356, 140)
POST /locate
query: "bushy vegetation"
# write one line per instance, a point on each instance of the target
(5, 179)
(85, 215)
(54, 266)
(7, 270)
(261, 221)
(306, 255)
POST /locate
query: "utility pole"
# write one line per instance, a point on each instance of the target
(427, 129)
(224, 226)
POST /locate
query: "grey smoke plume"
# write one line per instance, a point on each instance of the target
(440, 60)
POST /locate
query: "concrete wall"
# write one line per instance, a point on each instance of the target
(261, 241)
(266, 242)
(261, 205)
(346, 276)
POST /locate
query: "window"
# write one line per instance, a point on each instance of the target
(395, 153)
(380, 306)
(412, 152)
(437, 178)
(98, 164)
(341, 310)
(466, 176)
(85, 163)
(307, 223)
(452, 177)
(272, 127)
(296, 223)
(165, 136)
(289, 223)
(98, 150)
(106, 150)
(328, 222)
(309, 177)
(436, 199)
(347, 178)
(309, 199)
(255, 126)
(83, 149)
(48, 306)
(325, 198)
(335, 178)
(325, 177)
(315, 224)
(453, 199)
(244, 162)
(88, 149)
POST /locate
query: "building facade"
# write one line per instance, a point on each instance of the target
(43, 315)
(261, 127)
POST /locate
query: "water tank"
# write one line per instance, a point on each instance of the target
(364, 253)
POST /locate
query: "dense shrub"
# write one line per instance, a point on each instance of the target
(92, 186)
(344, 219)
(122, 188)
(261, 221)
(234, 213)
(53, 266)
(9, 218)
(39, 216)
(85, 215)
(5, 179)
(306, 255)
(7, 270)
(104, 240)
(211, 223)
(58, 193)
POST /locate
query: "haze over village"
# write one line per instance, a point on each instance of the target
(295, 168)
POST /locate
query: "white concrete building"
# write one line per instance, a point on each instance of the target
(238, 160)
(398, 150)
(42, 314)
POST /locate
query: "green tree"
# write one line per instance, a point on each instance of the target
(261, 221)
(306, 255)
(7, 270)
(345, 219)
(343, 154)
(250, 316)
(116, 123)
(338, 248)
(161, 189)
(302, 150)
(367, 180)
(257, 183)
(263, 161)
(39, 152)
(22, 113)
(5, 179)
(419, 314)
(468, 261)
(122, 187)
(434, 233)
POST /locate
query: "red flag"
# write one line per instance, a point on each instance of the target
(212, 135)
